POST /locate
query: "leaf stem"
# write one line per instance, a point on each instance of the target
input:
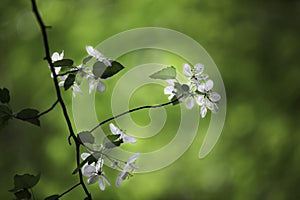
(58, 93)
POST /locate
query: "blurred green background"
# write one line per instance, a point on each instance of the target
(255, 45)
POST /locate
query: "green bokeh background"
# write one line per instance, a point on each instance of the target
(255, 45)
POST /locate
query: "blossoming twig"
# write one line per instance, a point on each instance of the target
(58, 94)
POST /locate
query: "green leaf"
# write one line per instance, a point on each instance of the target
(87, 59)
(5, 115)
(164, 74)
(86, 137)
(92, 158)
(5, 111)
(99, 68)
(113, 137)
(63, 63)
(29, 115)
(25, 181)
(52, 197)
(23, 194)
(112, 70)
(113, 144)
(69, 81)
(4, 95)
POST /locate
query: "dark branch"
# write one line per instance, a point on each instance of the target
(69, 190)
(48, 110)
(39, 115)
(58, 94)
(136, 109)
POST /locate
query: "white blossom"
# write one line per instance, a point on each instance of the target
(198, 89)
(123, 136)
(55, 57)
(207, 98)
(96, 54)
(170, 89)
(129, 167)
(94, 172)
(194, 74)
(95, 82)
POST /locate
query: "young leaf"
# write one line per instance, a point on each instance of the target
(69, 81)
(4, 95)
(87, 59)
(25, 181)
(164, 74)
(29, 115)
(86, 137)
(112, 70)
(99, 68)
(23, 194)
(5, 115)
(63, 63)
(113, 138)
(113, 144)
(92, 158)
(52, 197)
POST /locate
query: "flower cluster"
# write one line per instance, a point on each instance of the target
(93, 167)
(84, 72)
(198, 89)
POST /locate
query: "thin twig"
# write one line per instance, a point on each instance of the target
(39, 115)
(69, 190)
(48, 110)
(58, 94)
(136, 109)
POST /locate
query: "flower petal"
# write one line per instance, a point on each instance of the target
(105, 179)
(121, 177)
(198, 69)
(214, 96)
(88, 170)
(202, 77)
(200, 100)
(101, 86)
(133, 158)
(92, 86)
(106, 62)
(128, 139)
(189, 103)
(203, 111)
(209, 85)
(169, 90)
(101, 183)
(170, 82)
(114, 129)
(93, 52)
(92, 179)
(202, 87)
(187, 70)
(84, 156)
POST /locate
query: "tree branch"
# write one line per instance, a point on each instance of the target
(58, 93)
(69, 190)
(48, 110)
(136, 109)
